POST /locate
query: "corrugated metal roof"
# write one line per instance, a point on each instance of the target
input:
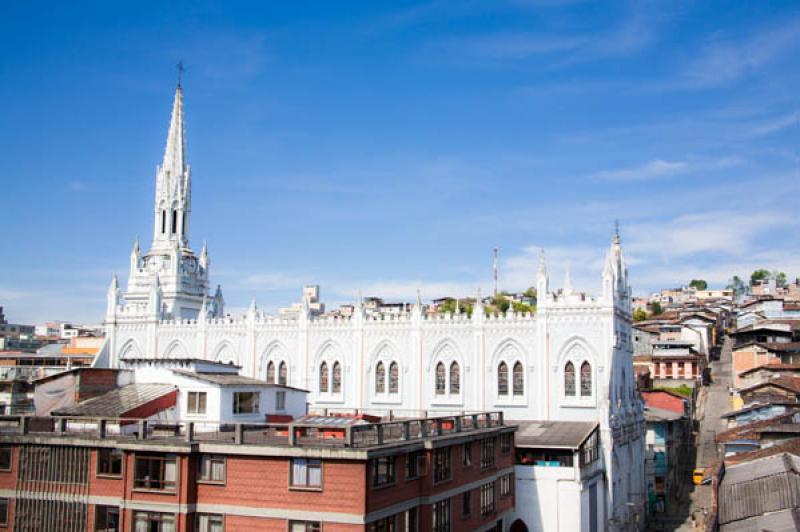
(119, 401)
(230, 379)
(563, 434)
(759, 487)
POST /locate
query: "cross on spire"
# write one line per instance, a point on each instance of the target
(181, 69)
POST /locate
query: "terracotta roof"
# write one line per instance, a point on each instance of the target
(786, 382)
(752, 431)
(772, 367)
(778, 347)
(790, 446)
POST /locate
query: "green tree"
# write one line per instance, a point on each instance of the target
(698, 284)
(655, 308)
(639, 315)
(780, 278)
(523, 307)
(737, 285)
(759, 275)
(530, 292)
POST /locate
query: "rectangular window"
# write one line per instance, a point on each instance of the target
(155, 472)
(3, 512)
(305, 526)
(487, 499)
(410, 520)
(211, 468)
(209, 523)
(306, 473)
(415, 465)
(246, 402)
(441, 516)
(441, 464)
(466, 503)
(280, 401)
(383, 471)
(505, 442)
(487, 453)
(387, 524)
(466, 454)
(506, 481)
(153, 522)
(196, 404)
(106, 519)
(109, 462)
(5, 458)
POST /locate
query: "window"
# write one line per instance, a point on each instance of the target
(466, 454)
(441, 516)
(410, 520)
(387, 524)
(211, 468)
(487, 452)
(209, 523)
(502, 379)
(282, 373)
(196, 404)
(155, 472)
(153, 522)
(441, 464)
(106, 519)
(109, 462)
(4, 512)
(383, 471)
(306, 473)
(505, 442)
(506, 481)
(415, 465)
(440, 379)
(246, 402)
(586, 379)
(280, 400)
(323, 377)
(466, 503)
(163, 222)
(174, 221)
(337, 378)
(305, 526)
(569, 379)
(487, 499)
(394, 378)
(519, 379)
(380, 378)
(455, 378)
(5, 458)
(271, 372)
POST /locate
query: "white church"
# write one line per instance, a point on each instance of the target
(570, 361)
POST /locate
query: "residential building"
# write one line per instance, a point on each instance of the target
(751, 355)
(675, 362)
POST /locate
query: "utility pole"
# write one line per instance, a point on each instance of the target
(494, 271)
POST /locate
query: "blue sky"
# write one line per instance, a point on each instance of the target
(388, 146)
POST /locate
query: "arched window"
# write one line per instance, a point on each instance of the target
(337, 378)
(519, 379)
(440, 379)
(502, 379)
(163, 222)
(271, 372)
(586, 379)
(380, 378)
(569, 379)
(323, 377)
(394, 377)
(174, 221)
(183, 225)
(282, 373)
(455, 378)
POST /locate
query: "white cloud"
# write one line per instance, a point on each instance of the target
(655, 169)
(776, 124)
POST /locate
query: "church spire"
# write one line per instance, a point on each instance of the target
(175, 152)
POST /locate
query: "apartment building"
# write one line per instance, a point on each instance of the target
(312, 474)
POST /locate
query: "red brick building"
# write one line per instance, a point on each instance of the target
(316, 473)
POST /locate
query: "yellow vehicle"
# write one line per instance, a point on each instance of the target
(698, 475)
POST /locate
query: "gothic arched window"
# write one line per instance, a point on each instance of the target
(323, 377)
(502, 379)
(183, 225)
(271, 372)
(440, 379)
(569, 379)
(380, 378)
(455, 378)
(337, 378)
(174, 221)
(282, 373)
(163, 222)
(519, 379)
(394, 377)
(586, 379)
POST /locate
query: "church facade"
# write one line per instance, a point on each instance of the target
(569, 361)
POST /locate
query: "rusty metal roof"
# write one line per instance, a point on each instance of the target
(118, 401)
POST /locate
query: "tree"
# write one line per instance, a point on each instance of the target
(737, 285)
(464, 307)
(655, 308)
(639, 315)
(759, 275)
(530, 292)
(523, 307)
(780, 278)
(698, 284)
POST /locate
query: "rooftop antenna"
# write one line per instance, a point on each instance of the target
(494, 271)
(181, 69)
